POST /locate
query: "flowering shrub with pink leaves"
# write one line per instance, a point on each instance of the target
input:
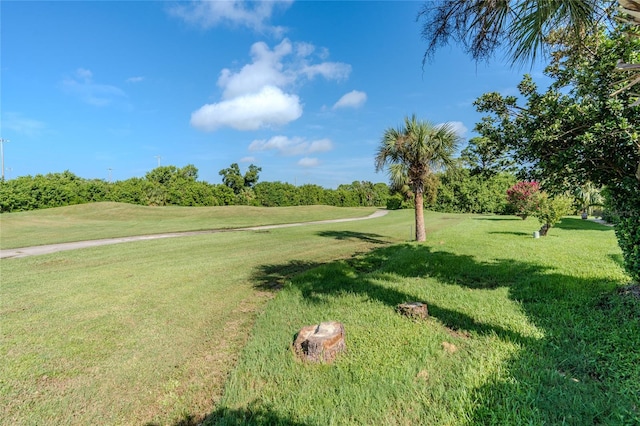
(523, 197)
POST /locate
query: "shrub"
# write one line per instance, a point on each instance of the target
(523, 198)
(549, 210)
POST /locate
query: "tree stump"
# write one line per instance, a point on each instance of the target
(414, 310)
(321, 342)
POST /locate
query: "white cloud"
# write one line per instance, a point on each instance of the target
(304, 49)
(136, 79)
(291, 146)
(84, 74)
(81, 85)
(22, 125)
(266, 69)
(308, 162)
(248, 160)
(260, 94)
(458, 126)
(353, 99)
(269, 107)
(321, 145)
(254, 15)
(329, 70)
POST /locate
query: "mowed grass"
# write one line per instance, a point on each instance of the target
(174, 332)
(108, 220)
(146, 332)
(521, 331)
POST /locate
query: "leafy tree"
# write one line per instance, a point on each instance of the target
(312, 195)
(549, 210)
(575, 132)
(133, 190)
(462, 192)
(276, 194)
(367, 194)
(486, 157)
(233, 178)
(413, 153)
(251, 176)
(523, 198)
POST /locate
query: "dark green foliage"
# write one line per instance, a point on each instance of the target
(171, 185)
(487, 157)
(232, 178)
(311, 195)
(576, 132)
(367, 194)
(462, 192)
(276, 194)
(624, 208)
(51, 190)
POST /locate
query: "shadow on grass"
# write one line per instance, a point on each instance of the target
(571, 223)
(254, 414)
(617, 258)
(273, 277)
(499, 218)
(584, 371)
(350, 235)
(528, 234)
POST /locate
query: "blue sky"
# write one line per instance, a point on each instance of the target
(302, 89)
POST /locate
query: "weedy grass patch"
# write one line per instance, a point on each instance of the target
(521, 331)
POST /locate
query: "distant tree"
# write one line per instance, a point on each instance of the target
(413, 153)
(233, 178)
(311, 194)
(276, 194)
(486, 157)
(251, 176)
(461, 192)
(587, 196)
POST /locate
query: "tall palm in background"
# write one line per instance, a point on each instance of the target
(413, 153)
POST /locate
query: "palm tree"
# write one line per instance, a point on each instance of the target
(483, 26)
(413, 153)
(588, 195)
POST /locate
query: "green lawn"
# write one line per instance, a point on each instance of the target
(108, 220)
(521, 330)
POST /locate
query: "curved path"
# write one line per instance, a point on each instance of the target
(53, 248)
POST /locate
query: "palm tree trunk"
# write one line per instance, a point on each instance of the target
(420, 231)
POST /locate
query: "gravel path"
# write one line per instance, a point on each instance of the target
(53, 248)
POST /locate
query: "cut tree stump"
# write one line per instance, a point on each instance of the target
(321, 342)
(414, 310)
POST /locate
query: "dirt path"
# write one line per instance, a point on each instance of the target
(53, 248)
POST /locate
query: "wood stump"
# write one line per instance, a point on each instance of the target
(414, 310)
(321, 342)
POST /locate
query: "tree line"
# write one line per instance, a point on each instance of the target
(461, 188)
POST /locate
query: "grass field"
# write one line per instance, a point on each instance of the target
(521, 330)
(108, 220)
